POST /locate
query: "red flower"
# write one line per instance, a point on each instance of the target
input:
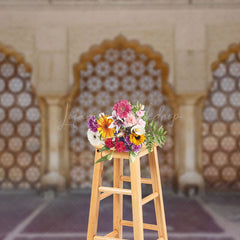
(120, 147)
(109, 143)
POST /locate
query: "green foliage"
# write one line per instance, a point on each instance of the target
(106, 157)
(135, 108)
(154, 135)
(104, 148)
(145, 118)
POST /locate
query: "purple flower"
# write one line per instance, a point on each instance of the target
(127, 140)
(92, 124)
(126, 148)
(136, 148)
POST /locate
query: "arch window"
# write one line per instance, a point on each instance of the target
(20, 126)
(118, 69)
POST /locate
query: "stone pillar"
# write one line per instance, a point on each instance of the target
(51, 74)
(188, 140)
(55, 169)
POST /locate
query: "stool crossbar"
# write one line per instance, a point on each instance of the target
(100, 192)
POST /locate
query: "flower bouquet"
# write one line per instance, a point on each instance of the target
(126, 130)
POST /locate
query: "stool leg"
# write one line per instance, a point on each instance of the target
(137, 199)
(94, 206)
(158, 202)
(117, 198)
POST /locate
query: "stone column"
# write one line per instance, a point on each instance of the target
(56, 165)
(188, 140)
(51, 74)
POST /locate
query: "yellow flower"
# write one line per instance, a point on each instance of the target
(104, 130)
(137, 139)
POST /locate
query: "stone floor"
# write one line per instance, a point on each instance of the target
(31, 216)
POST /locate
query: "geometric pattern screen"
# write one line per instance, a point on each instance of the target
(221, 127)
(19, 127)
(118, 73)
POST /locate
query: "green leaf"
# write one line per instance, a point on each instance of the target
(104, 148)
(145, 117)
(154, 127)
(106, 157)
(160, 130)
(151, 124)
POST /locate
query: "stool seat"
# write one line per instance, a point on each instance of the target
(100, 192)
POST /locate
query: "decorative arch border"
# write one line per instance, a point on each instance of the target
(9, 51)
(20, 59)
(221, 58)
(121, 42)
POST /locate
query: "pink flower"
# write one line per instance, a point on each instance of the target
(122, 108)
(130, 120)
(141, 122)
(140, 113)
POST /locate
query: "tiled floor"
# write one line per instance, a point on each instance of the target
(30, 216)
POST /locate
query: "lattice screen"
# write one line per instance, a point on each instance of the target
(221, 127)
(116, 74)
(19, 127)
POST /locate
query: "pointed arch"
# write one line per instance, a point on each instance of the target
(221, 123)
(20, 123)
(148, 84)
(9, 51)
(120, 42)
(224, 55)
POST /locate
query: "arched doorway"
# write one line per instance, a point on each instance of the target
(20, 125)
(114, 70)
(221, 124)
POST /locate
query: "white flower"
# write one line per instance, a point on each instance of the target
(101, 114)
(138, 129)
(94, 138)
(141, 107)
(120, 134)
(115, 119)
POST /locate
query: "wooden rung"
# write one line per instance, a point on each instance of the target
(104, 195)
(112, 234)
(107, 238)
(143, 153)
(143, 180)
(115, 190)
(149, 198)
(145, 225)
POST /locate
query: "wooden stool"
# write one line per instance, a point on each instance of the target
(99, 193)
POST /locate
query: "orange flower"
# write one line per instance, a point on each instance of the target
(104, 130)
